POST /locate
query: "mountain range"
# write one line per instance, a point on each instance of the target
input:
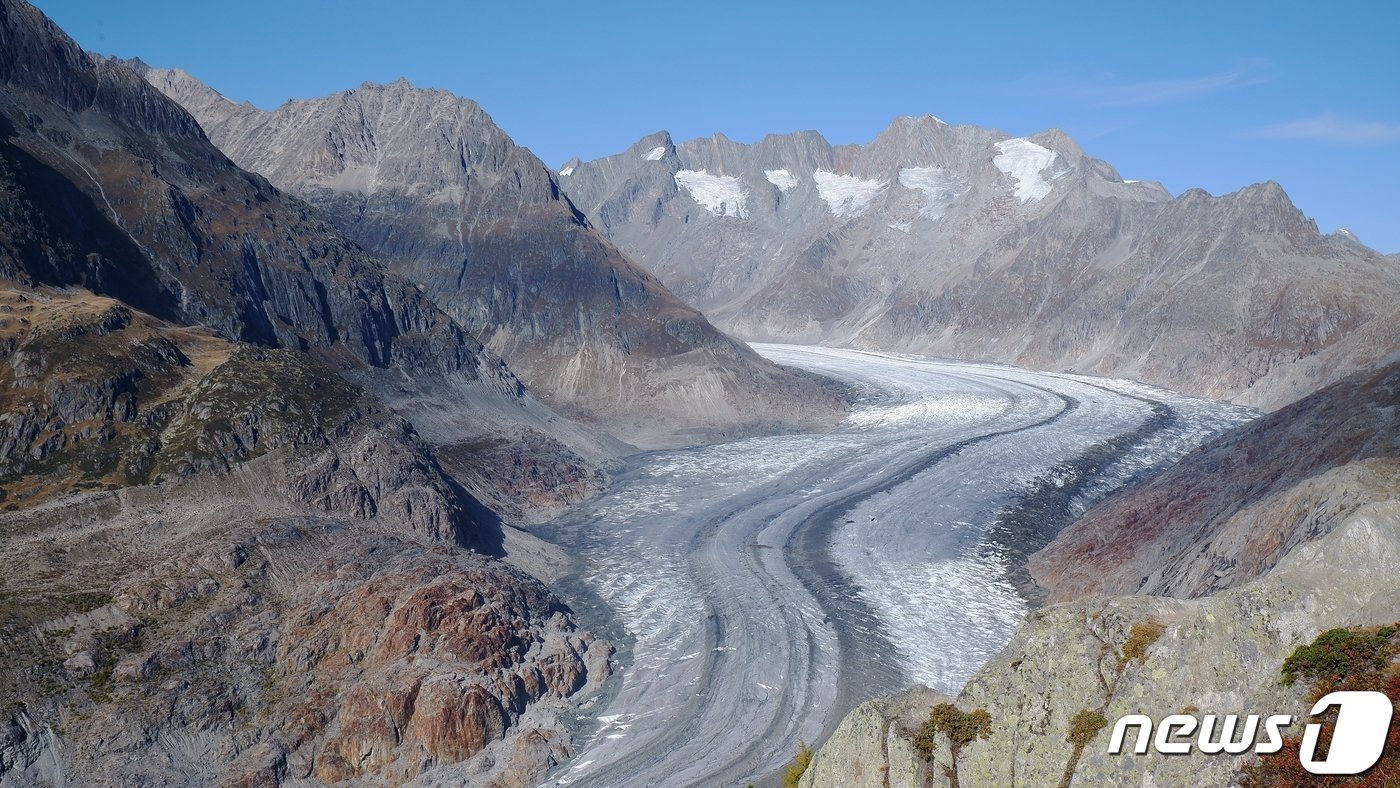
(228, 552)
(426, 180)
(965, 242)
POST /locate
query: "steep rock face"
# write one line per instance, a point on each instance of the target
(227, 562)
(287, 648)
(111, 186)
(100, 396)
(430, 182)
(1228, 511)
(1370, 346)
(959, 241)
(524, 477)
(107, 184)
(1220, 654)
(190, 472)
(872, 748)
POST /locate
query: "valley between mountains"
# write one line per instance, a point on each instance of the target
(347, 443)
(768, 586)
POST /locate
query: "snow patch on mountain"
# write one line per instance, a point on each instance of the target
(1025, 162)
(566, 172)
(939, 187)
(783, 179)
(655, 154)
(354, 179)
(846, 195)
(721, 195)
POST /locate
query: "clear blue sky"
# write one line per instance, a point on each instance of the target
(1215, 94)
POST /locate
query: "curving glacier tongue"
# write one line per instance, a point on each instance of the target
(767, 586)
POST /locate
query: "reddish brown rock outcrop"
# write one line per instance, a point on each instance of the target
(1230, 510)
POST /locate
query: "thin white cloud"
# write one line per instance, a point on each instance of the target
(1330, 128)
(1106, 91)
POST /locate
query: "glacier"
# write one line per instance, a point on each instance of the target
(764, 587)
(938, 186)
(846, 195)
(783, 179)
(721, 195)
(1025, 162)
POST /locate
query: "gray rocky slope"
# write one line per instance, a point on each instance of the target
(1249, 547)
(230, 560)
(1228, 511)
(226, 562)
(112, 187)
(1219, 654)
(960, 241)
(428, 181)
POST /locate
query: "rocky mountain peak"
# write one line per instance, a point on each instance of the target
(442, 102)
(1265, 208)
(925, 120)
(179, 85)
(395, 139)
(426, 179)
(1267, 192)
(178, 341)
(36, 55)
(915, 125)
(915, 141)
(1060, 142)
(653, 147)
(119, 191)
(1345, 236)
(377, 138)
(962, 241)
(804, 137)
(38, 58)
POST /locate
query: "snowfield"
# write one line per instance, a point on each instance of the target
(721, 195)
(846, 195)
(655, 154)
(783, 179)
(939, 188)
(767, 586)
(1025, 162)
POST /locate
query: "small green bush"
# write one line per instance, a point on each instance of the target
(1084, 726)
(1339, 659)
(1339, 652)
(101, 685)
(1140, 638)
(87, 601)
(961, 727)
